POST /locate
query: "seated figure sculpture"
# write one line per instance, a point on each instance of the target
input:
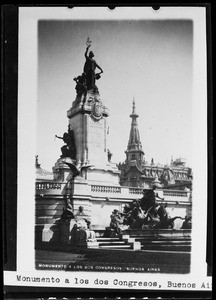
(116, 220)
(68, 150)
(81, 87)
(116, 224)
(187, 224)
(83, 225)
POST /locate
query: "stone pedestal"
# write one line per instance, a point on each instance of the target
(88, 120)
(66, 229)
(61, 171)
(50, 233)
(83, 237)
(86, 238)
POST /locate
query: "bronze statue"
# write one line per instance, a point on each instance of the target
(75, 171)
(187, 224)
(109, 154)
(149, 200)
(116, 221)
(144, 213)
(68, 150)
(165, 221)
(89, 69)
(80, 217)
(81, 87)
(68, 212)
(135, 216)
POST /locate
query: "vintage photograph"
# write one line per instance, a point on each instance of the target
(114, 168)
(112, 149)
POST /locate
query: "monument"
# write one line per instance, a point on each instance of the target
(88, 123)
(85, 162)
(86, 190)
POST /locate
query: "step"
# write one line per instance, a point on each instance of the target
(115, 246)
(165, 242)
(157, 231)
(111, 242)
(154, 237)
(142, 241)
(167, 248)
(176, 243)
(108, 239)
(168, 237)
(165, 245)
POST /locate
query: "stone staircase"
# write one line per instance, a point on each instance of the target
(163, 239)
(118, 243)
(152, 240)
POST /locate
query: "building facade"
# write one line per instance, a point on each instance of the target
(136, 172)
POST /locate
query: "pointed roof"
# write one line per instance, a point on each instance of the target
(133, 164)
(134, 143)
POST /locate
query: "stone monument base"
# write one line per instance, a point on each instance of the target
(50, 232)
(82, 237)
(104, 174)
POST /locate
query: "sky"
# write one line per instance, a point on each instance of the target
(150, 61)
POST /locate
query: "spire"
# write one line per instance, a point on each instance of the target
(134, 142)
(134, 114)
(37, 165)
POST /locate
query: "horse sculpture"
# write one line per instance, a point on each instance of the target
(165, 221)
(143, 213)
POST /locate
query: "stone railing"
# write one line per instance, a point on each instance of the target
(135, 191)
(105, 189)
(173, 193)
(102, 191)
(48, 185)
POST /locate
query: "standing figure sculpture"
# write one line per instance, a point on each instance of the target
(89, 69)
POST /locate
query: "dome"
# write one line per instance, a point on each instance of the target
(41, 173)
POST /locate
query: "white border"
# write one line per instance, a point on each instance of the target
(27, 108)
